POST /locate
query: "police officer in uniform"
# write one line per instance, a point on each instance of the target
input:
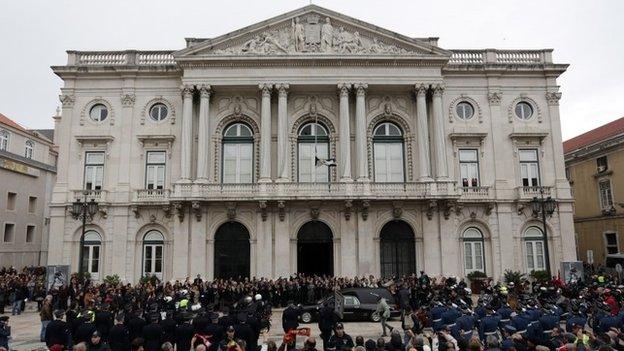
(489, 324)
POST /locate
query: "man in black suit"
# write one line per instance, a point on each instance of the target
(119, 335)
(153, 334)
(184, 333)
(290, 317)
(104, 321)
(57, 332)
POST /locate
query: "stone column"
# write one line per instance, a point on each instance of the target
(283, 160)
(561, 183)
(265, 134)
(345, 134)
(186, 137)
(203, 134)
(440, 134)
(360, 132)
(424, 165)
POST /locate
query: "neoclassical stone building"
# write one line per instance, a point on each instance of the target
(310, 142)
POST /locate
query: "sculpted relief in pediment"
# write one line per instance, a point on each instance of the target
(311, 34)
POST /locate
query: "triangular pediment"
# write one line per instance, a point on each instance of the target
(311, 31)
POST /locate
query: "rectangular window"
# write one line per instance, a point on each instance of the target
(308, 171)
(611, 243)
(469, 167)
(535, 255)
(94, 170)
(606, 196)
(11, 200)
(155, 170)
(32, 204)
(9, 231)
(601, 164)
(30, 233)
(529, 167)
(388, 162)
(567, 173)
(238, 163)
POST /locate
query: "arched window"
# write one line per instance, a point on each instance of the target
(388, 153)
(397, 249)
(4, 140)
(534, 249)
(91, 250)
(473, 250)
(232, 252)
(153, 245)
(30, 149)
(312, 143)
(237, 154)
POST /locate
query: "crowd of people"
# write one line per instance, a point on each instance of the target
(437, 313)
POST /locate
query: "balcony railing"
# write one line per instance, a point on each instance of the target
(151, 195)
(529, 192)
(120, 58)
(475, 192)
(97, 195)
(492, 56)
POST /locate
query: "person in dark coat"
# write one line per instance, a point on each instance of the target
(84, 330)
(246, 333)
(290, 317)
(327, 320)
(214, 329)
(104, 322)
(5, 332)
(119, 335)
(57, 332)
(340, 340)
(135, 326)
(96, 343)
(184, 334)
(169, 327)
(153, 335)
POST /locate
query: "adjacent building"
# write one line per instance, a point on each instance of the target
(595, 168)
(27, 176)
(310, 142)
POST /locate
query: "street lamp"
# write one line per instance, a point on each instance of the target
(83, 210)
(545, 206)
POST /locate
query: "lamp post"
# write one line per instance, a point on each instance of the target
(544, 206)
(83, 210)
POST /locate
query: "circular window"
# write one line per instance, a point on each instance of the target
(524, 110)
(158, 112)
(464, 110)
(98, 112)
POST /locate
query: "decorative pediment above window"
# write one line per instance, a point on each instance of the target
(156, 141)
(470, 139)
(94, 141)
(528, 139)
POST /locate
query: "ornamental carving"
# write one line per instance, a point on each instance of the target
(348, 207)
(84, 114)
(312, 34)
(511, 110)
(553, 98)
(494, 97)
(67, 100)
(431, 206)
(158, 100)
(262, 205)
(364, 209)
(197, 210)
(231, 210)
(179, 209)
(407, 140)
(127, 100)
(475, 105)
(281, 210)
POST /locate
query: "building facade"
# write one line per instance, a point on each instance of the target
(594, 164)
(311, 142)
(27, 174)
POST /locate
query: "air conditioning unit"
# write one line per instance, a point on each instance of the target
(602, 169)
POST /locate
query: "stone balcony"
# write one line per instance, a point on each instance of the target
(472, 193)
(314, 191)
(97, 195)
(529, 192)
(151, 195)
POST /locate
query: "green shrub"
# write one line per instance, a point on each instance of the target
(112, 280)
(540, 276)
(476, 275)
(513, 276)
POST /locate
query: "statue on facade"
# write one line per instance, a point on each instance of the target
(298, 35)
(327, 36)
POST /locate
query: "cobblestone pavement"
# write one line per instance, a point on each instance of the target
(25, 330)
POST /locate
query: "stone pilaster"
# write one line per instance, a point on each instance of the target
(265, 134)
(424, 162)
(186, 137)
(345, 133)
(360, 132)
(439, 134)
(203, 134)
(283, 157)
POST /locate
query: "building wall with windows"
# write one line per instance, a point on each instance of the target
(345, 149)
(27, 173)
(594, 164)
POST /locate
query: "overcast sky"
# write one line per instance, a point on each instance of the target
(586, 34)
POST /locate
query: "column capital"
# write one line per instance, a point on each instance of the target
(494, 97)
(187, 90)
(204, 90)
(553, 98)
(420, 89)
(266, 89)
(282, 89)
(438, 90)
(343, 88)
(361, 88)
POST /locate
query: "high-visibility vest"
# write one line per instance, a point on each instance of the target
(184, 303)
(600, 279)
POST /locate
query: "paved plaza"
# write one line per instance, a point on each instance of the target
(25, 330)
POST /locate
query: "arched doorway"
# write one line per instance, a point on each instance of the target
(315, 249)
(397, 249)
(231, 251)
